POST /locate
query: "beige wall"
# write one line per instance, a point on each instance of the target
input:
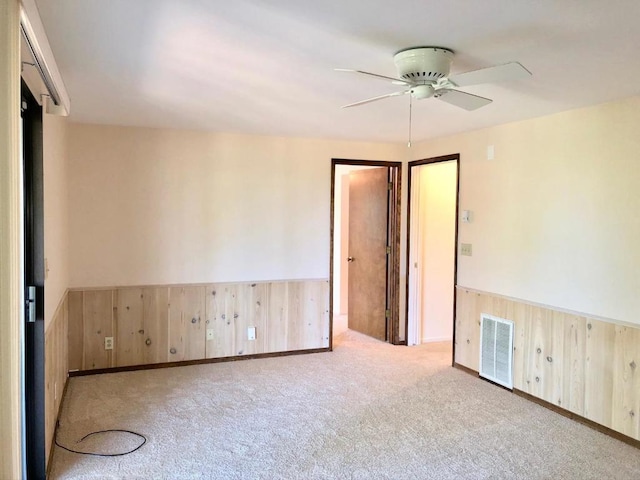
(56, 252)
(56, 213)
(152, 206)
(554, 219)
(556, 212)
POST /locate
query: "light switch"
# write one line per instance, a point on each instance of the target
(491, 152)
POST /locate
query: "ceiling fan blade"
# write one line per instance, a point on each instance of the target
(462, 99)
(396, 81)
(499, 73)
(374, 99)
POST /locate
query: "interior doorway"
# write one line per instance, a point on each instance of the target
(432, 249)
(365, 231)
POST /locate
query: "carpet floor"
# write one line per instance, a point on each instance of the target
(367, 410)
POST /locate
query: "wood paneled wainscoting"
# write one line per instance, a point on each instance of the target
(55, 369)
(181, 323)
(586, 366)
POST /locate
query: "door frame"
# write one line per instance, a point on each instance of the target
(34, 335)
(393, 233)
(417, 163)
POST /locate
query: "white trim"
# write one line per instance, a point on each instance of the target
(11, 280)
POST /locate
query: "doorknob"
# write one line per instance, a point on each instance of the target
(350, 259)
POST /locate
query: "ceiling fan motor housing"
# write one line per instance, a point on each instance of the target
(423, 65)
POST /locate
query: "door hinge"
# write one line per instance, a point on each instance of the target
(390, 186)
(30, 305)
(387, 314)
(388, 250)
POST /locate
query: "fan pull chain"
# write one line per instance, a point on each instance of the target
(410, 111)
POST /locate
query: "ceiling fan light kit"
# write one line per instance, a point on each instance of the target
(422, 91)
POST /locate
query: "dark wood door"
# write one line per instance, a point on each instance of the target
(368, 217)
(34, 385)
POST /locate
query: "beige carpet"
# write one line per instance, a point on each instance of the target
(367, 410)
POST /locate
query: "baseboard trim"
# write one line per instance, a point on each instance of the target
(55, 429)
(466, 369)
(559, 410)
(202, 361)
(580, 419)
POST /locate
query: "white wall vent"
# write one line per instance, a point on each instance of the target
(496, 350)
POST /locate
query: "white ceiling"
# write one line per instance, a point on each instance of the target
(266, 66)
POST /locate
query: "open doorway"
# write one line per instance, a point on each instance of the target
(432, 249)
(365, 231)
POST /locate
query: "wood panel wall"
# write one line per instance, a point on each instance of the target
(171, 323)
(589, 367)
(55, 368)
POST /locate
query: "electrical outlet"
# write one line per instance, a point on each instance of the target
(465, 249)
(108, 343)
(209, 333)
(251, 333)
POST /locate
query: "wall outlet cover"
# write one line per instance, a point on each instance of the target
(465, 249)
(108, 343)
(251, 333)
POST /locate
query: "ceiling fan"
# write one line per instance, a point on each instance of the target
(424, 71)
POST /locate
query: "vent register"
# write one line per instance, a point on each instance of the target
(496, 350)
